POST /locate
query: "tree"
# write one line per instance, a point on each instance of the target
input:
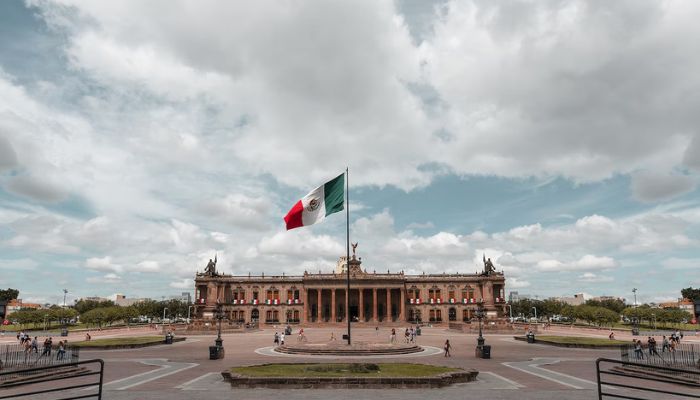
(83, 305)
(690, 293)
(616, 305)
(96, 316)
(8, 294)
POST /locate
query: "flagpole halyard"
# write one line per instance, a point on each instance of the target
(347, 249)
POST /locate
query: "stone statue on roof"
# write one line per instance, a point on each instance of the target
(210, 269)
(488, 266)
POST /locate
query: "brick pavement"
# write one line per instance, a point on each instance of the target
(183, 370)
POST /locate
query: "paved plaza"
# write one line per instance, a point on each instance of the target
(517, 370)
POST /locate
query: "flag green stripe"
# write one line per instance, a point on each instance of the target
(334, 194)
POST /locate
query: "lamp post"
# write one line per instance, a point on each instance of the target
(480, 316)
(216, 352)
(482, 350)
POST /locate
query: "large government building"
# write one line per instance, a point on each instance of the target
(375, 298)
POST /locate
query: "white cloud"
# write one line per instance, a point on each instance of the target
(590, 277)
(148, 266)
(182, 284)
(587, 262)
(102, 264)
(110, 278)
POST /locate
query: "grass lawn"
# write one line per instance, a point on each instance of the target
(120, 341)
(578, 340)
(336, 370)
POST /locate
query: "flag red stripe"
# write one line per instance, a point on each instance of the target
(293, 217)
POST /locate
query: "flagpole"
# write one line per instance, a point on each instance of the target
(347, 249)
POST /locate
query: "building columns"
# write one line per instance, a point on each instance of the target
(402, 308)
(305, 305)
(388, 304)
(362, 305)
(374, 305)
(318, 306)
(333, 305)
(489, 298)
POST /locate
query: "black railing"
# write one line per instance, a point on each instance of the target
(632, 380)
(684, 356)
(76, 380)
(15, 356)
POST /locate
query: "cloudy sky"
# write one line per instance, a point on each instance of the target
(560, 138)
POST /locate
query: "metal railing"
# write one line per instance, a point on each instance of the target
(632, 380)
(16, 356)
(685, 356)
(76, 380)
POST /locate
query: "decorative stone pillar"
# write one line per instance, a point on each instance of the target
(362, 304)
(333, 306)
(211, 293)
(305, 305)
(388, 304)
(374, 305)
(489, 296)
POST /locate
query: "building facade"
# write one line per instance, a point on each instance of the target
(374, 298)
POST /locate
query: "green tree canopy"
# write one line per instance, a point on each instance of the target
(8, 294)
(83, 305)
(690, 293)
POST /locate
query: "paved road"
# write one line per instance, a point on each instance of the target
(516, 371)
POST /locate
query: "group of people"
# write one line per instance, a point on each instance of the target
(279, 339)
(409, 335)
(667, 344)
(31, 345)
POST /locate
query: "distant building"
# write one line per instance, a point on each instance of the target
(515, 296)
(577, 300)
(185, 297)
(684, 304)
(18, 304)
(123, 301)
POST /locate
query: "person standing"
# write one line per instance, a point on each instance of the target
(282, 338)
(652, 347)
(638, 349)
(61, 351)
(447, 348)
(35, 345)
(277, 339)
(664, 344)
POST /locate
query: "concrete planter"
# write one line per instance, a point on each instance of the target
(441, 380)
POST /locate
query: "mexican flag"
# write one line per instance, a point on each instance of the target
(325, 200)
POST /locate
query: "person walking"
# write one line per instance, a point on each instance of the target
(47, 347)
(664, 344)
(61, 351)
(652, 347)
(447, 348)
(35, 344)
(282, 338)
(638, 349)
(277, 339)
